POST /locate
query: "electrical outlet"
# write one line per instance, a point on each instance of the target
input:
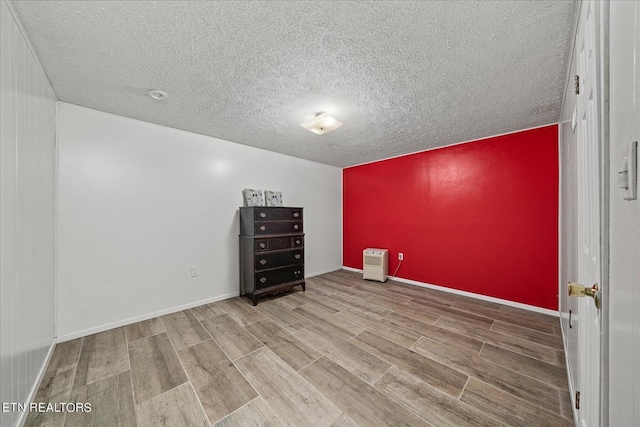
(400, 256)
(194, 271)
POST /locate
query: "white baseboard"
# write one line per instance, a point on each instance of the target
(102, 328)
(317, 273)
(147, 316)
(470, 294)
(32, 394)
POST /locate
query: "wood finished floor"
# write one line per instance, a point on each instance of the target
(346, 352)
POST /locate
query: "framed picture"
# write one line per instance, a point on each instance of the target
(273, 198)
(253, 197)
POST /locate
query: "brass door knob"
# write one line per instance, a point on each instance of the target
(578, 290)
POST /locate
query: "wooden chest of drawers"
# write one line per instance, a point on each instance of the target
(271, 250)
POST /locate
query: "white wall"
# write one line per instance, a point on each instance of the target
(139, 204)
(27, 220)
(624, 278)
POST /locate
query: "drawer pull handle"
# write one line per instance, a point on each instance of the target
(296, 214)
(262, 228)
(263, 261)
(262, 245)
(263, 215)
(298, 242)
(263, 279)
(295, 227)
(297, 256)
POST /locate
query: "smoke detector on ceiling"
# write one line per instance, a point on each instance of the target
(156, 94)
(321, 124)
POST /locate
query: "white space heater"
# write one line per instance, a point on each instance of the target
(376, 264)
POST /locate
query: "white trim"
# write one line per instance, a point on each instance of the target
(561, 287)
(452, 145)
(605, 198)
(527, 307)
(318, 273)
(147, 316)
(56, 238)
(151, 315)
(32, 394)
(25, 36)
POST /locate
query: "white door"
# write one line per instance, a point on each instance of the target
(589, 220)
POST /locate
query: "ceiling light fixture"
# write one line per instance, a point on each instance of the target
(157, 94)
(321, 123)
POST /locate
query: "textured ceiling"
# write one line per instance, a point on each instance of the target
(401, 76)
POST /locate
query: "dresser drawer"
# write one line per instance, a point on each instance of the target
(278, 214)
(271, 250)
(276, 243)
(278, 227)
(265, 279)
(276, 259)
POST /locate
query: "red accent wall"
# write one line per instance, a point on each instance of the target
(480, 217)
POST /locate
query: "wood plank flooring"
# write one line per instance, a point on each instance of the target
(346, 352)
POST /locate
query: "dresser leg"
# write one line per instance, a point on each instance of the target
(304, 288)
(255, 302)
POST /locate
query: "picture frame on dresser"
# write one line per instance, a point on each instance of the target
(253, 197)
(271, 250)
(273, 198)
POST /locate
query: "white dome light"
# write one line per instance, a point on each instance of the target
(321, 123)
